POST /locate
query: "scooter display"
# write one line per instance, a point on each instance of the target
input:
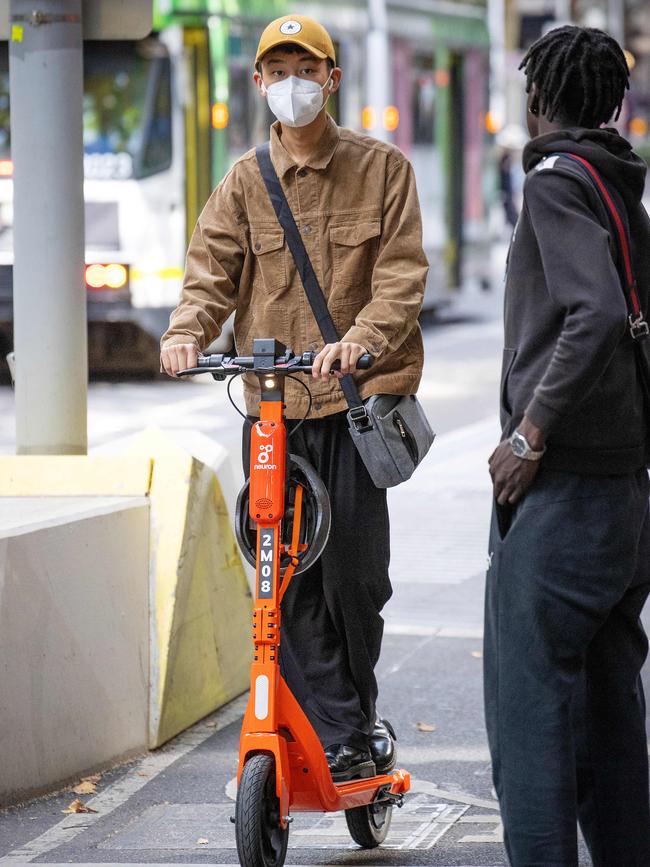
(282, 524)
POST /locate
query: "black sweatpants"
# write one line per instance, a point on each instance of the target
(331, 622)
(564, 645)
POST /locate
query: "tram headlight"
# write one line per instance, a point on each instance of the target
(116, 276)
(111, 276)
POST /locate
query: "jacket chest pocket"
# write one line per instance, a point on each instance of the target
(270, 271)
(354, 249)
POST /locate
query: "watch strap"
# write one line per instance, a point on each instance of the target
(530, 454)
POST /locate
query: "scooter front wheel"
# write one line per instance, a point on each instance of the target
(261, 841)
(368, 826)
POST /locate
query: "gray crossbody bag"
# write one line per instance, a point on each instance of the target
(390, 432)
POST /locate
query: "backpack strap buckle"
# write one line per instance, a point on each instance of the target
(360, 418)
(639, 328)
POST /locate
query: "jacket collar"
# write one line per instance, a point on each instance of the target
(320, 158)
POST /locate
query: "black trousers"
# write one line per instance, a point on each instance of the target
(331, 622)
(564, 645)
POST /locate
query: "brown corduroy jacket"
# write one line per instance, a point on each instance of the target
(356, 205)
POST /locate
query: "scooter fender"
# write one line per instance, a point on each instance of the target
(275, 745)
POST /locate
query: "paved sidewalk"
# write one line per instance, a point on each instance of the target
(173, 805)
(439, 528)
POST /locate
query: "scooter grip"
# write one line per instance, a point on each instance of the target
(365, 362)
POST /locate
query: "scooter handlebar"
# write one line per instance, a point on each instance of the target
(296, 364)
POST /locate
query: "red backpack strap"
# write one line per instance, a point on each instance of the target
(621, 232)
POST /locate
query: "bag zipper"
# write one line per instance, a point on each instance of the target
(399, 424)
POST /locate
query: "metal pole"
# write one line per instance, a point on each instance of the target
(50, 337)
(562, 12)
(497, 27)
(379, 65)
(616, 20)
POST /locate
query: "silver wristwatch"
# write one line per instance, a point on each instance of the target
(521, 448)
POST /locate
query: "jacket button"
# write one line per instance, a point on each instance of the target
(258, 247)
(317, 406)
(302, 173)
(306, 230)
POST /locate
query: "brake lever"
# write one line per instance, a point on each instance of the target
(228, 370)
(295, 362)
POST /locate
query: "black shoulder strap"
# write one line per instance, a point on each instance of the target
(306, 271)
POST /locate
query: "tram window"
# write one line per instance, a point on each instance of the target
(423, 100)
(250, 117)
(5, 135)
(127, 109)
(334, 100)
(157, 151)
(242, 94)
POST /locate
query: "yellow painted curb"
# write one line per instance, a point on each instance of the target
(199, 596)
(74, 476)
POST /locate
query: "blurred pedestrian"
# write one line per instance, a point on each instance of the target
(506, 188)
(510, 142)
(355, 202)
(569, 549)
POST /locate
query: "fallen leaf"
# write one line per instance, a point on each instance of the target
(202, 841)
(211, 725)
(142, 774)
(424, 727)
(78, 807)
(92, 778)
(477, 654)
(85, 787)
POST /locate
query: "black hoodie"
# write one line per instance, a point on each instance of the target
(569, 361)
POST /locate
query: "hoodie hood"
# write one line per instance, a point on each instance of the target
(609, 152)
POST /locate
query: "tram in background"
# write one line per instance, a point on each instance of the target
(165, 118)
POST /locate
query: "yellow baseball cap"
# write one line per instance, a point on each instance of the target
(298, 30)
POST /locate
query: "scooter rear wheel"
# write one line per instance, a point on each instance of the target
(368, 826)
(261, 842)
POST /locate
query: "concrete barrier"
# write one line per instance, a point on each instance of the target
(74, 647)
(201, 605)
(124, 606)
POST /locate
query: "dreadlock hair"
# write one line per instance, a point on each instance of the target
(580, 75)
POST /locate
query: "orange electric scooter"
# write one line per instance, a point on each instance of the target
(283, 520)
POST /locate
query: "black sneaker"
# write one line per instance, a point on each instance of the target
(382, 746)
(347, 763)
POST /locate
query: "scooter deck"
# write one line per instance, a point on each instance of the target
(303, 779)
(358, 793)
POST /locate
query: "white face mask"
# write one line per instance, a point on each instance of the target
(295, 101)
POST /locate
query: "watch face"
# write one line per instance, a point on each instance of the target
(518, 446)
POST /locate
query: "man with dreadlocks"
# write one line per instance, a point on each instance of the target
(569, 557)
